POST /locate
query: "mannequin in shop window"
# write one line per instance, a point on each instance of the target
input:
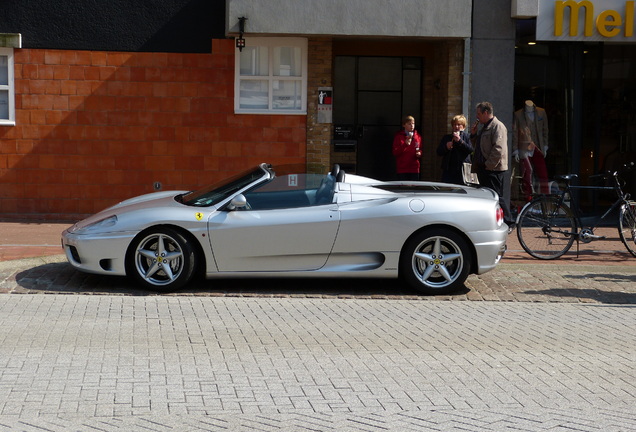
(530, 144)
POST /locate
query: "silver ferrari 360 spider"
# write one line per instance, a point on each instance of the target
(283, 223)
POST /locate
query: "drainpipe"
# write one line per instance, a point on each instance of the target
(466, 80)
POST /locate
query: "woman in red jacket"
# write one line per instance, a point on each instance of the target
(407, 149)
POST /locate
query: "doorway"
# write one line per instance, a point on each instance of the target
(371, 96)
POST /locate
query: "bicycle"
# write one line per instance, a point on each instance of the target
(547, 227)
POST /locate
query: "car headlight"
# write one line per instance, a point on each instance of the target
(99, 225)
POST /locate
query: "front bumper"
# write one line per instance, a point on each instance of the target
(97, 253)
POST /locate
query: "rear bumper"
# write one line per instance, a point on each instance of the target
(490, 248)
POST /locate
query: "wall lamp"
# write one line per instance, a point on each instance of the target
(240, 42)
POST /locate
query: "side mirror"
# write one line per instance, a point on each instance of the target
(238, 202)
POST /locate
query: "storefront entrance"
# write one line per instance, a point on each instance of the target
(372, 95)
(589, 93)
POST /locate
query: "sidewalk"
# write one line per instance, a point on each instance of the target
(20, 240)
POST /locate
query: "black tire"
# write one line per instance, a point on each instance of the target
(161, 259)
(436, 261)
(627, 226)
(545, 229)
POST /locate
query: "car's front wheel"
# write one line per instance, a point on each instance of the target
(161, 259)
(435, 261)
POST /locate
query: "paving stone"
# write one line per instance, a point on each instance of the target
(525, 347)
(357, 364)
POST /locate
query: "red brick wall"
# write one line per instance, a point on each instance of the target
(94, 128)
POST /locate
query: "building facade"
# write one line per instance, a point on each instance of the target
(95, 110)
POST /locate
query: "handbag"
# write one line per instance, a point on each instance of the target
(468, 176)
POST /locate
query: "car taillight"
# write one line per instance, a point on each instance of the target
(499, 215)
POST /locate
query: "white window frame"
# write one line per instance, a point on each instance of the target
(9, 88)
(273, 80)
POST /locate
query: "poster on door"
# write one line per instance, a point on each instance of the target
(325, 104)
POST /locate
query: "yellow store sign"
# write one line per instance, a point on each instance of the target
(586, 20)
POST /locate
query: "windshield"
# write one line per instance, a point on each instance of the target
(215, 193)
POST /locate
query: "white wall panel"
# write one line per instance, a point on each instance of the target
(411, 18)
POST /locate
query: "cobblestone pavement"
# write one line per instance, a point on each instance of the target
(530, 346)
(508, 282)
(160, 363)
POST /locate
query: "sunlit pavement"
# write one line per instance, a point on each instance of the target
(532, 346)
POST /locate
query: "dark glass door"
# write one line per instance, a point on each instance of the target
(372, 94)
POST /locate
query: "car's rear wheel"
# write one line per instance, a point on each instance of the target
(161, 259)
(435, 261)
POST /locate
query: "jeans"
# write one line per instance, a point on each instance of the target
(495, 181)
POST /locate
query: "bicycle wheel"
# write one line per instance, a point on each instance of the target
(627, 226)
(546, 230)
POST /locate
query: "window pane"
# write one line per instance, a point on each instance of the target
(379, 108)
(4, 104)
(380, 73)
(344, 90)
(270, 75)
(4, 70)
(286, 95)
(287, 61)
(254, 94)
(254, 61)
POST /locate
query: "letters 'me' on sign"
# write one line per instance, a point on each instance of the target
(586, 20)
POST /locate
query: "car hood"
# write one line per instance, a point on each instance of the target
(149, 202)
(155, 196)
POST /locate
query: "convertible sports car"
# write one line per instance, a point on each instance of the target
(279, 222)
